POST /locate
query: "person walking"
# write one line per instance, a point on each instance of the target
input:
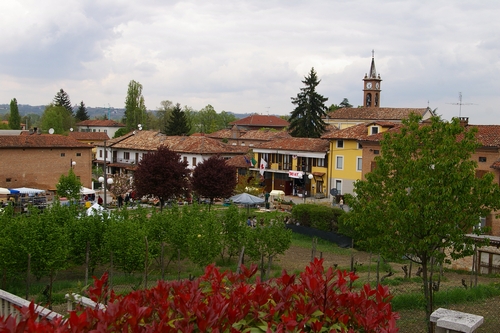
(341, 203)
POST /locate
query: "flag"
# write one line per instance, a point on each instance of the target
(254, 161)
(246, 159)
(263, 165)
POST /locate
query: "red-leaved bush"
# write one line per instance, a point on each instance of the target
(317, 301)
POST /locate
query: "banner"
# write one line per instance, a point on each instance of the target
(263, 165)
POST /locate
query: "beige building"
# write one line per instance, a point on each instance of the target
(39, 160)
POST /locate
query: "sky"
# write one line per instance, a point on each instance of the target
(251, 56)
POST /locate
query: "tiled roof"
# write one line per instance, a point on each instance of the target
(302, 144)
(89, 136)
(265, 135)
(150, 140)
(40, 141)
(221, 134)
(356, 131)
(261, 121)
(240, 161)
(100, 123)
(365, 113)
(488, 135)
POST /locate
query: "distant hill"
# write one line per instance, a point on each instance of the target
(112, 113)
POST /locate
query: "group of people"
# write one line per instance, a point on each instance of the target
(127, 200)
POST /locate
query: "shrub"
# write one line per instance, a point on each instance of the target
(316, 301)
(316, 216)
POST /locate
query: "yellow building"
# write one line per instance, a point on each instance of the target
(346, 154)
(297, 166)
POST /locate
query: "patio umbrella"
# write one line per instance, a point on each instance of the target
(246, 199)
(4, 190)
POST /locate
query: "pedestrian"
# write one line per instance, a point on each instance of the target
(127, 198)
(249, 222)
(120, 200)
(341, 203)
(99, 200)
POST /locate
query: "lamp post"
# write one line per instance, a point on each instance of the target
(105, 180)
(72, 164)
(310, 176)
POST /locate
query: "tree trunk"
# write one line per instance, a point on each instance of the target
(427, 293)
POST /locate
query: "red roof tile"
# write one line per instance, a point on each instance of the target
(365, 113)
(257, 120)
(40, 141)
(100, 123)
(303, 144)
(89, 136)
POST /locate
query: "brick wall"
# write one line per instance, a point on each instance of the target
(42, 167)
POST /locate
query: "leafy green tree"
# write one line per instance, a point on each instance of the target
(206, 120)
(177, 124)
(224, 119)
(163, 114)
(69, 186)
(213, 178)
(306, 119)
(423, 196)
(62, 99)
(14, 118)
(204, 238)
(120, 132)
(161, 173)
(58, 118)
(191, 117)
(233, 222)
(345, 104)
(135, 109)
(125, 239)
(81, 113)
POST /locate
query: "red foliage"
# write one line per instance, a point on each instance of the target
(214, 178)
(316, 301)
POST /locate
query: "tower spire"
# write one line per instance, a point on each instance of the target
(373, 71)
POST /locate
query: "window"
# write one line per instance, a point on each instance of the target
(376, 152)
(338, 186)
(360, 146)
(126, 155)
(340, 143)
(8, 180)
(185, 159)
(78, 154)
(482, 159)
(321, 162)
(63, 154)
(194, 161)
(374, 129)
(340, 163)
(100, 153)
(359, 164)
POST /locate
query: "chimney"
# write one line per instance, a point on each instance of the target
(464, 121)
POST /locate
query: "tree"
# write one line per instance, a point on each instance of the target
(224, 119)
(14, 118)
(207, 120)
(305, 120)
(81, 113)
(163, 114)
(345, 103)
(62, 99)
(213, 178)
(58, 118)
(120, 132)
(69, 186)
(162, 173)
(121, 184)
(423, 196)
(135, 109)
(177, 124)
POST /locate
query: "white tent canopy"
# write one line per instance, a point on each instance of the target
(278, 194)
(4, 190)
(28, 190)
(95, 209)
(86, 191)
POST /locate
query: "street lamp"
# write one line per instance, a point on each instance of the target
(72, 164)
(109, 181)
(310, 176)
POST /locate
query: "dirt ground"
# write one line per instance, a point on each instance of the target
(297, 258)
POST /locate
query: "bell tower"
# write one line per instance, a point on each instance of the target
(371, 87)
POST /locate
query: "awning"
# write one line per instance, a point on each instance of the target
(85, 191)
(27, 190)
(318, 176)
